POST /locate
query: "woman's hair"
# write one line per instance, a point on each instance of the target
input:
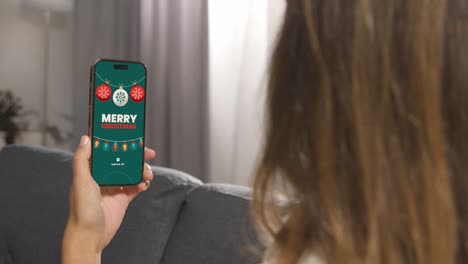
(367, 133)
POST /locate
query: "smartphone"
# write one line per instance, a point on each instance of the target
(117, 108)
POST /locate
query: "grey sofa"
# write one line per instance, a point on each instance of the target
(178, 220)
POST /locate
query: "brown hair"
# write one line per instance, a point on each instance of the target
(367, 126)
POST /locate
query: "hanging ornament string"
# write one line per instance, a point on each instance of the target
(118, 86)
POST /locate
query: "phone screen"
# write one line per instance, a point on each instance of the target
(117, 122)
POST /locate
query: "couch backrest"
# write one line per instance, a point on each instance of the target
(214, 227)
(34, 208)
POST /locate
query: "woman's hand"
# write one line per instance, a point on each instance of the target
(95, 213)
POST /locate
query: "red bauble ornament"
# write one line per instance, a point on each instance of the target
(103, 92)
(137, 93)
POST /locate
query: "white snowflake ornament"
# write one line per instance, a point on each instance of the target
(120, 97)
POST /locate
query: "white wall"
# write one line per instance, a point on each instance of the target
(240, 37)
(21, 65)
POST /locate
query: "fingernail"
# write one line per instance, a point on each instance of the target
(153, 149)
(84, 140)
(149, 167)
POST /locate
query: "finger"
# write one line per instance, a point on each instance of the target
(81, 160)
(133, 191)
(144, 185)
(149, 154)
(147, 173)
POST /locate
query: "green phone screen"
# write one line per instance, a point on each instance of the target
(118, 122)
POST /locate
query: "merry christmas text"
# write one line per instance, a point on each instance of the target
(118, 121)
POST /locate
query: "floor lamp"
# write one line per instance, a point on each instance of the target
(47, 9)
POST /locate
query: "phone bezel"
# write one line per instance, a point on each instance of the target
(91, 116)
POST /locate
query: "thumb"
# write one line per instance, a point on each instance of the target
(81, 160)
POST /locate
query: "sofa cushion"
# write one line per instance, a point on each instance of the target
(34, 208)
(214, 227)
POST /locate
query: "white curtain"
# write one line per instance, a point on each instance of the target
(240, 39)
(174, 47)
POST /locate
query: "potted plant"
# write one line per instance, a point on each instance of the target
(11, 116)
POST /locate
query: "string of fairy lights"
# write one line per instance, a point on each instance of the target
(118, 145)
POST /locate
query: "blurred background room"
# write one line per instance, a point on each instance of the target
(207, 69)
